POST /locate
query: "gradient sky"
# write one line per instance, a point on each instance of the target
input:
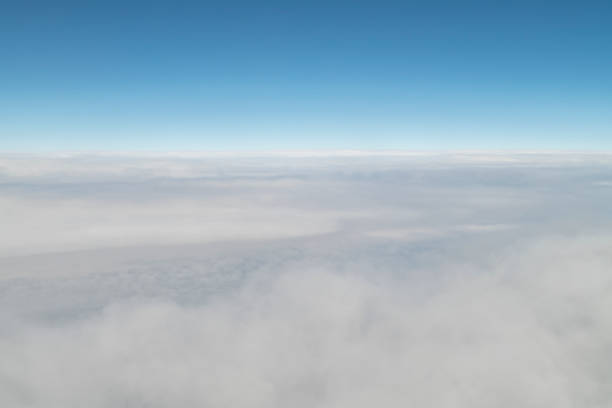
(305, 75)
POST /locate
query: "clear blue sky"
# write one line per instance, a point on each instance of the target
(305, 75)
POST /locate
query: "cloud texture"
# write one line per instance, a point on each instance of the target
(334, 281)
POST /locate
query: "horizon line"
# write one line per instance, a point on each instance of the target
(195, 153)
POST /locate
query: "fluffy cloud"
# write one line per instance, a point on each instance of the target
(328, 282)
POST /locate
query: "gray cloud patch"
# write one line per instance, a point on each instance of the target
(348, 280)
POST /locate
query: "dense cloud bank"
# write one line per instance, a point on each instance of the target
(334, 281)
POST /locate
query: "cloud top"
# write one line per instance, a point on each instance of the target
(328, 282)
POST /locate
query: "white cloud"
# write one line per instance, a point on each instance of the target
(328, 282)
(529, 332)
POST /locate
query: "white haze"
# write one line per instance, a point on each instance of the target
(306, 280)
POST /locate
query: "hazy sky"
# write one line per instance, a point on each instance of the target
(291, 75)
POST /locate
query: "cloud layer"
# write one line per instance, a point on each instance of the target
(430, 281)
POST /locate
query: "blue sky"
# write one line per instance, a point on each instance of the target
(305, 75)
